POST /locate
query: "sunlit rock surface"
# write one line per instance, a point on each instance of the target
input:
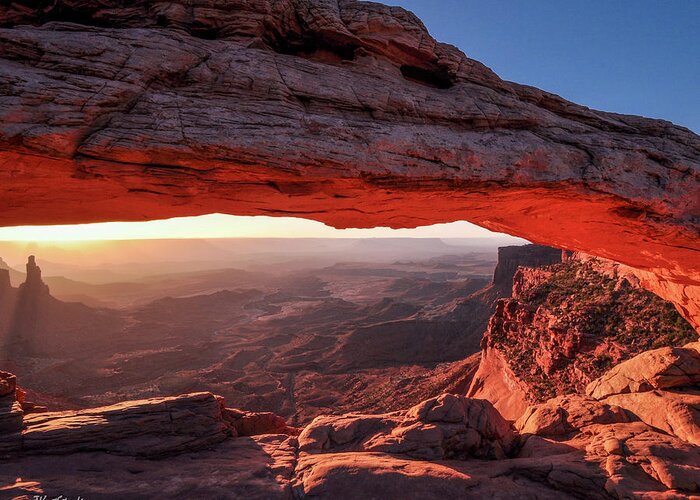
(342, 111)
(567, 324)
(192, 445)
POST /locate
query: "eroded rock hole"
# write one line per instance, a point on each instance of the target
(205, 33)
(436, 78)
(311, 48)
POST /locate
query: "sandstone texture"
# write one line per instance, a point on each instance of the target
(675, 412)
(341, 111)
(565, 415)
(154, 427)
(193, 446)
(567, 325)
(658, 369)
(258, 468)
(448, 426)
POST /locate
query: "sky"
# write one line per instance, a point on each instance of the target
(627, 56)
(228, 226)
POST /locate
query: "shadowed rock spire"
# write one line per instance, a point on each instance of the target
(33, 272)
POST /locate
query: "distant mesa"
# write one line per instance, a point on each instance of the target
(510, 258)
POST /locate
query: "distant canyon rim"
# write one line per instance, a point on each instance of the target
(345, 112)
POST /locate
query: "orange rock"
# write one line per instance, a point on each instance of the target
(494, 381)
(676, 412)
(567, 414)
(662, 368)
(234, 121)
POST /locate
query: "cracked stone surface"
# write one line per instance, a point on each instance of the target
(346, 112)
(662, 368)
(569, 447)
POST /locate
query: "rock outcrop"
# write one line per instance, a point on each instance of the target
(153, 428)
(512, 257)
(11, 413)
(658, 387)
(639, 434)
(566, 325)
(193, 446)
(447, 426)
(34, 323)
(341, 111)
(31, 311)
(676, 412)
(658, 369)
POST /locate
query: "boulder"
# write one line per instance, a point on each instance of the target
(151, 427)
(246, 423)
(662, 368)
(676, 412)
(344, 432)
(564, 415)
(447, 426)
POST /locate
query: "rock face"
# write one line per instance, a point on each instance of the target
(327, 110)
(153, 428)
(567, 324)
(512, 257)
(658, 369)
(448, 426)
(193, 446)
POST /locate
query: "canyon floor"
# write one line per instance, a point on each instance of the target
(527, 373)
(353, 336)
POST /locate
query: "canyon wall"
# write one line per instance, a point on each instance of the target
(565, 325)
(340, 111)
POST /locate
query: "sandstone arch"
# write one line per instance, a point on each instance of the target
(336, 110)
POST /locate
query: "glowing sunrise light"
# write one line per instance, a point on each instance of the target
(228, 226)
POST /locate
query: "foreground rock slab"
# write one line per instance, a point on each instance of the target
(248, 467)
(375, 475)
(152, 427)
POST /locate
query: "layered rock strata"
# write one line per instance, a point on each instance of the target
(341, 111)
(566, 324)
